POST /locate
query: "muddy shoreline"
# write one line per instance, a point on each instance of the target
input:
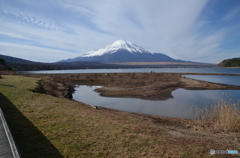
(149, 86)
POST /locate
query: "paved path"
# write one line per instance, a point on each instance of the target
(7, 145)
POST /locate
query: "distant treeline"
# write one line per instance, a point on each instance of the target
(234, 62)
(3, 65)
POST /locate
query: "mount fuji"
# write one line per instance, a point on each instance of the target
(122, 51)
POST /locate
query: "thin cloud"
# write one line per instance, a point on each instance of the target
(41, 54)
(231, 14)
(75, 8)
(14, 35)
(173, 27)
(28, 18)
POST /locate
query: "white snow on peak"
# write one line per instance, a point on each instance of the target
(119, 44)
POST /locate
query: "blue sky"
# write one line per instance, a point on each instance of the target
(52, 30)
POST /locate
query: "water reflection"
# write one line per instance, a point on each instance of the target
(181, 106)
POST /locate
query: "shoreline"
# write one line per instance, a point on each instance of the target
(104, 130)
(148, 86)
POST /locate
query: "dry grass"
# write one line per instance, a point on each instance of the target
(224, 116)
(125, 80)
(47, 126)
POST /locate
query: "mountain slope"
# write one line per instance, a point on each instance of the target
(10, 59)
(122, 51)
(24, 65)
(234, 62)
(3, 65)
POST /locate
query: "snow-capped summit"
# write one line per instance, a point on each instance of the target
(117, 45)
(122, 44)
(122, 51)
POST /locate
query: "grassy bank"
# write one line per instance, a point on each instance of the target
(47, 126)
(225, 116)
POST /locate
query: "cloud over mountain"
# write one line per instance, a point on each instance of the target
(199, 30)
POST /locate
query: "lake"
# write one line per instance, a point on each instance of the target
(170, 70)
(232, 80)
(182, 104)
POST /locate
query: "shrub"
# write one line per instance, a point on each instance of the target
(224, 116)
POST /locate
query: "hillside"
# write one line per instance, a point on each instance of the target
(234, 62)
(3, 65)
(10, 59)
(19, 64)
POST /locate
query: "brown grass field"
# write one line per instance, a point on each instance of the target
(47, 126)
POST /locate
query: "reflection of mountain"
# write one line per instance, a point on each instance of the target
(123, 51)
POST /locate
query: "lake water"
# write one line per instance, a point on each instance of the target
(182, 104)
(232, 80)
(170, 70)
